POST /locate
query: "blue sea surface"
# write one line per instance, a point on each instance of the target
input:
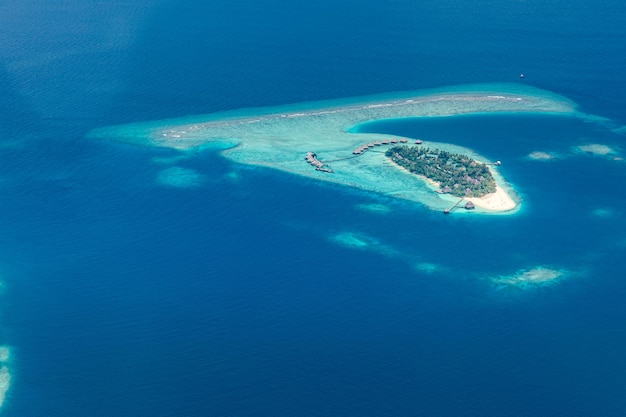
(240, 291)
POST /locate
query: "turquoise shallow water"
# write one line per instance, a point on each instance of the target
(280, 137)
(146, 281)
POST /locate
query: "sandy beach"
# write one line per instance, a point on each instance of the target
(498, 201)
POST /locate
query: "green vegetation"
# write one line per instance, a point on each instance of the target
(456, 174)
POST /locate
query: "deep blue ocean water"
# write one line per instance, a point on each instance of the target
(123, 297)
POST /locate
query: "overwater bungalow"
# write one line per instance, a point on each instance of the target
(404, 140)
(311, 158)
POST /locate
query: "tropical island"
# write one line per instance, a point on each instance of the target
(456, 174)
(279, 137)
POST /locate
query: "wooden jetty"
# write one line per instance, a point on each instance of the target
(457, 204)
(468, 206)
(311, 157)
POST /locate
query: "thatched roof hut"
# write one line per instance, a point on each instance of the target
(469, 206)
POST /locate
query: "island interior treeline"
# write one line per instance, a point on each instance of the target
(456, 174)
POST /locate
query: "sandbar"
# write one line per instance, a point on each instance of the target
(280, 137)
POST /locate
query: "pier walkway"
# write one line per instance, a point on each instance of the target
(457, 204)
(311, 157)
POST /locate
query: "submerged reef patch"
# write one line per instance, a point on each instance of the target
(373, 208)
(353, 240)
(541, 156)
(596, 149)
(427, 267)
(361, 241)
(5, 375)
(603, 212)
(180, 178)
(538, 276)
